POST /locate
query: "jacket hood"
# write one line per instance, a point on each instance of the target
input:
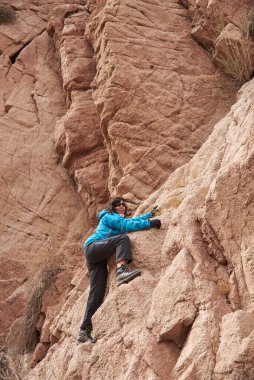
(102, 213)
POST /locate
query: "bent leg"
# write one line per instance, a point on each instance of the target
(98, 282)
(123, 249)
(104, 249)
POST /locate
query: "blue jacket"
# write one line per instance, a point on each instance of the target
(115, 224)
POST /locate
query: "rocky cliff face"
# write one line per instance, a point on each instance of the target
(116, 97)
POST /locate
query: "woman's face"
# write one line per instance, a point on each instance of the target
(120, 208)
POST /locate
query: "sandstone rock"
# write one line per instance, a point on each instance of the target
(222, 28)
(221, 168)
(83, 283)
(79, 279)
(215, 14)
(32, 182)
(39, 353)
(248, 268)
(235, 354)
(31, 20)
(211, 300)
(232, 53)
(40, 321)
(201, 343)
(78, 136)
(173, 304)
(150, 96)
(153, 102)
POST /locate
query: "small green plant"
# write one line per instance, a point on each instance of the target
(7, 14)
(234, 57)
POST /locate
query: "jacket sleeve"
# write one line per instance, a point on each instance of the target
(145, 216)
(117, 222)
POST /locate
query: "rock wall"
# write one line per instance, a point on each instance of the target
(190, 314)
(78, 134)
(115, 97)
(147, 87)
(226, 30)
(42, 217)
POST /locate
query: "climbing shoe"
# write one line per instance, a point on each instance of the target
(123, 275)
(85, 336)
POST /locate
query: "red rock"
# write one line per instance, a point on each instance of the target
(39, 353)
(134, 103)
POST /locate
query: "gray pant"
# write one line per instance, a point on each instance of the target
(97, 255)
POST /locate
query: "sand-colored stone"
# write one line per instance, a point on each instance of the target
(210, 17)
(235, 354)
(233, 53)
(224, 29)
(120, 90)
(33, 221)
(147, 101)
(78, 135)
(177, 305)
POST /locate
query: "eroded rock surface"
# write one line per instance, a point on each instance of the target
(78, 135)
(148, 85)
(34, 224)
(192, 299)
(210, 17)
(225, 29)
(128, 101)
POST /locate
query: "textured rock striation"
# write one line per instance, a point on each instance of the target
(78, 135)
(35, 226)
(225, 29)
(194, 299)
(216, 213)
(147, 89)
(115, 97)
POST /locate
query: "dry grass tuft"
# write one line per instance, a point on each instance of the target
(248, 25)
(7, 14)
(217, 25)
(234, 57)
(251, 22)
(44, 280)
(10, 365)
(234, 54)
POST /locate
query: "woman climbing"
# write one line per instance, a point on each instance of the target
(110, 239)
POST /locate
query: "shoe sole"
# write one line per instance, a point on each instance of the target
(94, 340)
(126, 280)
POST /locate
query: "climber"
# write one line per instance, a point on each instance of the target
(110, 239)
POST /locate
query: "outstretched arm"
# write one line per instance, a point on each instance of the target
(115, 221)
(145, 216)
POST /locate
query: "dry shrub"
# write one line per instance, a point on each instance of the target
(7, 14)
(43, 281)
(234, 57)
(251, 22)
(248, 25)
(10, 365)
(218, 23)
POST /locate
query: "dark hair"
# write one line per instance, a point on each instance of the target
(114, 201)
